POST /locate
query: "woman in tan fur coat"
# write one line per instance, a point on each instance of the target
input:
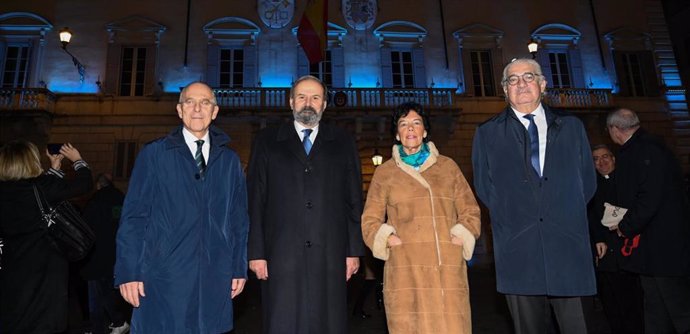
(422, 219)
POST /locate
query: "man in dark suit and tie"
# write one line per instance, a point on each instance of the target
(305, 204)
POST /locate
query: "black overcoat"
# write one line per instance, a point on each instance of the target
(305, 216)
(650, 185)
(34, 276)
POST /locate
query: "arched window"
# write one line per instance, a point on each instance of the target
(22, 42)
(559, 55)
(231, 60)
(402, 54)
(480, 60)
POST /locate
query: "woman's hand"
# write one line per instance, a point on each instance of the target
(70, 152)
(393, 241)
(456, 240)
(55, 160)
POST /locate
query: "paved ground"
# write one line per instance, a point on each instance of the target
(489, 310)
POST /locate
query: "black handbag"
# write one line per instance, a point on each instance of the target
(66, 229)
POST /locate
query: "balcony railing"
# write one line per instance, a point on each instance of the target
(577, 97)
(370, 98)
(27, 99)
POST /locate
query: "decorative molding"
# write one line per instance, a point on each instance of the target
(335, 33)
(628, 38)
(134, 23)
(405, 30)
(232, 28)
(556, 33)
(479, 32)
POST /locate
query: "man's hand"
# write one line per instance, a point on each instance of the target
(601, 249)
(260, 268)
(237, 286)
(351, 267)
(131, 292)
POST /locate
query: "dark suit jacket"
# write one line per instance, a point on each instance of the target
(305, 216)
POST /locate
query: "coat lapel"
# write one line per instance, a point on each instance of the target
(288, 136)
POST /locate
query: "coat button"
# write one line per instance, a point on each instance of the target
(309, 205)
(307, 244)
(541, 219)
(307, 170)
(197, 176)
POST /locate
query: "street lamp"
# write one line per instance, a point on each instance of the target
(377, 158)
(533, 47)
(65, 37)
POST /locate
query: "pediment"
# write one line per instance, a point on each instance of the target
(135, 23)
(17, 22)
(400, 29)
(556, 32)
(478, 30)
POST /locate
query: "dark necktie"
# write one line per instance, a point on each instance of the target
(199, 157)
(306, 142)
(534, 143)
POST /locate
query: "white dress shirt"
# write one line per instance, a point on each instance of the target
(542, 127)
(299, 127)
(191, 139)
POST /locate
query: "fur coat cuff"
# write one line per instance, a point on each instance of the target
(380, 249)
(467, 238)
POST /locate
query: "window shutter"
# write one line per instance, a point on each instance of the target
(302, 63)
(575, 62)
(419, 68)
(3, 50)
(112, 71)
(649, 74)
(338, 67)
(621, 75)
(249, 66)
(543, 60)
(212, 62)
(386, 70)
(150, 79)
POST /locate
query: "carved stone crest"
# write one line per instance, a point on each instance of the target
(360, 14)
(276, 13)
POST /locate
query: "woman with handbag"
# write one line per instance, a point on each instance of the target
(34, 274)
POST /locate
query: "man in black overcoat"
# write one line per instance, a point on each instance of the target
(649, 184)
(305, 205)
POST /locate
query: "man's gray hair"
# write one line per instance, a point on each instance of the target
(312, 78)
(183, 92)
(624, 119)
(533, 63)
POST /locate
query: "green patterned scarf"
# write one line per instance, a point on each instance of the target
(416, 159)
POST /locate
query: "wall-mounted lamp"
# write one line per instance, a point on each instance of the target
(65, 37)
(377, 158)
(533, 46)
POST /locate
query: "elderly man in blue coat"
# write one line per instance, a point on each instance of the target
(181, 245)
(533, 170)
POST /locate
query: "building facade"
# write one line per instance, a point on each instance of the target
(114, 86)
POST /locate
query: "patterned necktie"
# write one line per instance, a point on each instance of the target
(306, 142)
(199, 157)
(534, 143)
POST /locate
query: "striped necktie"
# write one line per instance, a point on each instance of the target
(199, 157)
(306, 142)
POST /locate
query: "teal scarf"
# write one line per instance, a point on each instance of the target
(417, 159)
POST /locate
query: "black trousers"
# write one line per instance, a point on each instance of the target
(533, 314)
(621, 295)
(666, 304)
(105, 305)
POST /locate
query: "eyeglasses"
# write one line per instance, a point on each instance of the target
(191, 103)
(526, 77)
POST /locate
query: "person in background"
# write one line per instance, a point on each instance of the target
(649, 184)
(619, 291)
(182, 241)
(533, 170)
(34, 274)
(421, 217)
(102, 213)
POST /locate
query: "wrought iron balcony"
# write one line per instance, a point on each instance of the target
(19, 99)
(353, 98)
(577, 98)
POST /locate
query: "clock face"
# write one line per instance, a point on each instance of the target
(276, 13)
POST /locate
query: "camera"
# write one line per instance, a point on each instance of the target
(54, 148)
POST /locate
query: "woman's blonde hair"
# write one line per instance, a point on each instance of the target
(19, 159)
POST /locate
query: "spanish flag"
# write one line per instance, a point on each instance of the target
(313, 30)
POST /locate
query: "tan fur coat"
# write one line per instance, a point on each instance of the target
(425, 278)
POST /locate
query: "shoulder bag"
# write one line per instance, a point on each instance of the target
(66, 229)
